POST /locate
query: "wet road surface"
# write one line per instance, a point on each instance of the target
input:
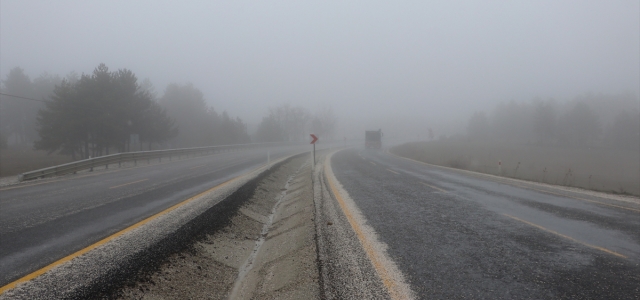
(43, 221)
(462, 235)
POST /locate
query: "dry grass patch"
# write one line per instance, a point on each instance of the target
(17, 160)
(606, 170)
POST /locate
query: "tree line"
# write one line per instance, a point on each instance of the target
(98, 113)
(586, 121)
(286, 123)
(18, 116)
(200, 124)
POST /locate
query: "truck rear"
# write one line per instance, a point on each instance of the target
(373, 139)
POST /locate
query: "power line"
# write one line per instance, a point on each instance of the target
(25, 98)
(45, 101)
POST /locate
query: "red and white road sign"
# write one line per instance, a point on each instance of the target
(314, 137)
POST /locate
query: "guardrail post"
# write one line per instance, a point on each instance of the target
(93, 162)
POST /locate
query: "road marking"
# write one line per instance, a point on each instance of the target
(387, 271)
(111, 237)
(197, 167)
(577, 198)
(117, 186)
(372, 163)
(394, 172)
(602, 203)
(434, 187)
(567, 237)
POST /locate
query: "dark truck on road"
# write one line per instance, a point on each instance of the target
(373, 139)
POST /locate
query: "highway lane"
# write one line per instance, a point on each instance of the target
(43, 221)
(462, 235)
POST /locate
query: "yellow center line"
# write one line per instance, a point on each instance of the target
(567, 237)
(197, 167)
(393, 287)
(434, 187)
(393, 171)
(111, 237)
(117, 186)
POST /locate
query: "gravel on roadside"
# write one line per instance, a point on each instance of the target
(267, 251)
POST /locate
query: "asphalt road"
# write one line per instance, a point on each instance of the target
(459, 235)
(43, 221)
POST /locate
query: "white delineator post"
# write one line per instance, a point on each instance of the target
(499, 167)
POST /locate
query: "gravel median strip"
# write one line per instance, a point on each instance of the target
(267, 250)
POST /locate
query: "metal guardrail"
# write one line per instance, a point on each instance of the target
(119, 158)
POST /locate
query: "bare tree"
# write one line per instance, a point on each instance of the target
(292, 120)
(581, 126)
(545, 121)
(17, 116)
(624, 133)
(323, 123)
(478, 127)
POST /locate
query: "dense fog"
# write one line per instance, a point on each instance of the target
(90, 78)
(611, 121)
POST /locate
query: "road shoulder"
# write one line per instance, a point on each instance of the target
(353, 262)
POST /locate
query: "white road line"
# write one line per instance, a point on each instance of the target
(117, 186)
(434, 187)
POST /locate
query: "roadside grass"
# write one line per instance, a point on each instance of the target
(605, 170)
(16, 160)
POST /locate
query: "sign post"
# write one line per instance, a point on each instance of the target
(313, 142)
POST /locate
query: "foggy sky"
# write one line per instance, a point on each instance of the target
(416, 61)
